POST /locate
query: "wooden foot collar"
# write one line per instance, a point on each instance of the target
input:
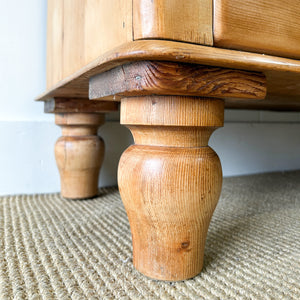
(170, 181)
(79, 154)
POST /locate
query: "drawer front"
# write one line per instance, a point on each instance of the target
(270, 27)
(178, 20)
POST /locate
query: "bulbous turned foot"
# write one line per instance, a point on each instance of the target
(169, 195)
(79, 154)
(170, 182)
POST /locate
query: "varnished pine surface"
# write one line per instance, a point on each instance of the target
(188, 20)
(269, 27)
(79, 154)
(170, 78)
(170, 181)
(172, 111)
(283, 75)
(169, 194)
(79, 31)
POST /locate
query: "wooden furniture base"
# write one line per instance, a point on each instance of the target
(158, 58)
(170, 181)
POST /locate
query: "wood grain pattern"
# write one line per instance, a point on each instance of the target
(170, 185)
(73, 48)
(270, 27)
(172, 111)
(283, 74)
(79, 31)
(108, 24)
(169, 78)
(79, 154)
(72, 105)
(54, 42)
(188, 21)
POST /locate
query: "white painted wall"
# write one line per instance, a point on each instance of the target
(250, 142)
(22, 59)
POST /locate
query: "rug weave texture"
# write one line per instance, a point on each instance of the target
(52, 248)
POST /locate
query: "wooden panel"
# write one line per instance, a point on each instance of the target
(283, 74)
(73, 38)
(79, 31)
(108, 28)
(54, 42)
(270, 27)
(189, 20)
(169, 78)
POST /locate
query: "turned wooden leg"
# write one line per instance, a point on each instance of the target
(79, 154)
(170, 181)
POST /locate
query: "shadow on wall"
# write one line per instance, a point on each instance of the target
(116, 138)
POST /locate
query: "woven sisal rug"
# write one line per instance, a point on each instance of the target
(51, 248)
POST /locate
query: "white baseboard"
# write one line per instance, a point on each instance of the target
(248, 148)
